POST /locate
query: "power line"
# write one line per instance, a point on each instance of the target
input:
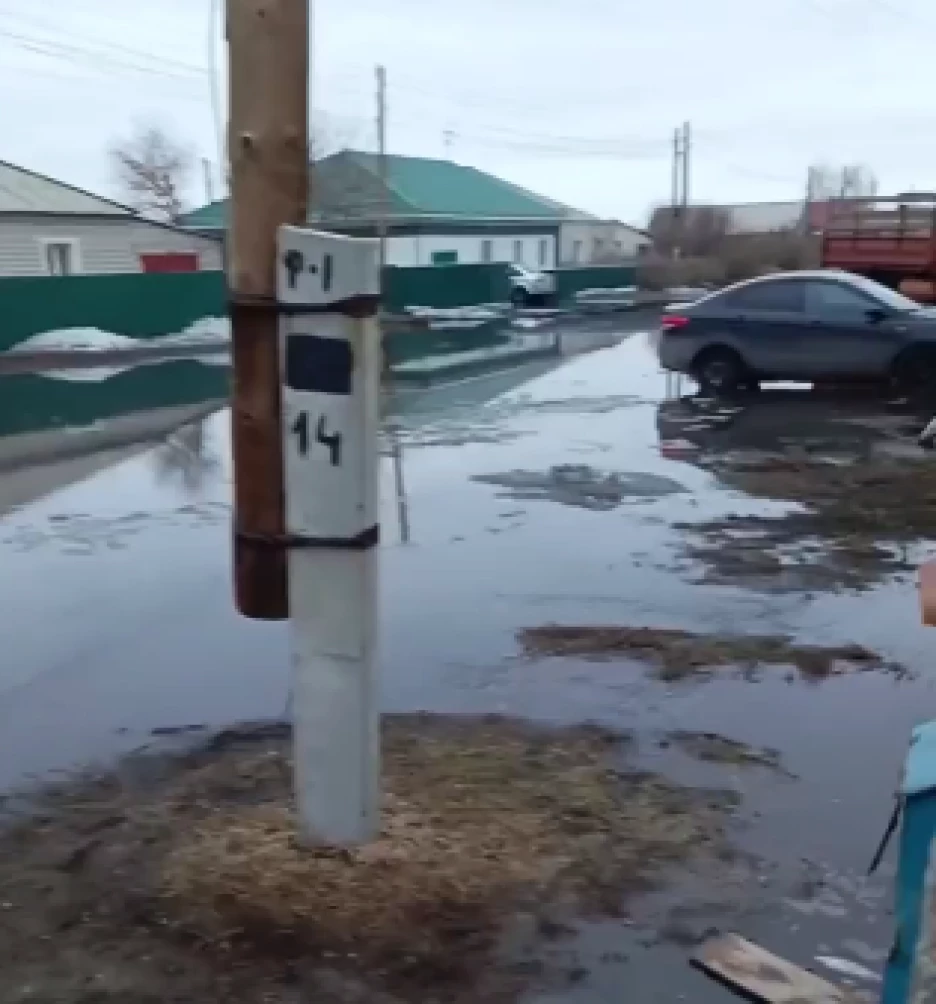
(83, 55)
(95, 45)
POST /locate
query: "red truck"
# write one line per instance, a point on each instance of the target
(892, 240)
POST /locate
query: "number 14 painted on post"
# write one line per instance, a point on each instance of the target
(331, 440)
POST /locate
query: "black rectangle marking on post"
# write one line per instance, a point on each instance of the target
(318, 365)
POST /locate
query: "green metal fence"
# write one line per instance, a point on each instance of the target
(31, 402)
(136, 305)
(570, 281)
(148, 306)
(443, 286)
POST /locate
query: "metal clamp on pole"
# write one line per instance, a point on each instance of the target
(328, 290)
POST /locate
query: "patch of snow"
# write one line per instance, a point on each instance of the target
(483, 312)
(205, 331)
(610, 291)
(848, 968)
(213, 359)
(519, 345)
(98, 374)
(85, 374)
(466, 322)
(75, 340)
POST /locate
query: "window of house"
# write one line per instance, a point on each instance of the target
(597, 246)
(60, 257)
(576, 251)
(444, 257)
(487, 250)
(518, 252)
(543, 253)
(780, 297)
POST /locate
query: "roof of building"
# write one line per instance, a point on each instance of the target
(24, 191)
(347, 186)
(28, 192)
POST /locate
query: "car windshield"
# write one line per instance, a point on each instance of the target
(887, 296)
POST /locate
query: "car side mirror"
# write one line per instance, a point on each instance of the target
(875, 315)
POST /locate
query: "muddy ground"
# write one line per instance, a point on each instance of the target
(676, 655)
(178, 877)
(860, 504)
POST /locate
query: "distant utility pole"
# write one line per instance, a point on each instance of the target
(208, 176)
(268, 42)
(677, 158)
(682, 142)
(686, 149)
(381, 75)
(807, 203)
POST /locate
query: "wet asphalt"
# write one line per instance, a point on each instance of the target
(531, 496)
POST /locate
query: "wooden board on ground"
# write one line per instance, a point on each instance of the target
(761, 976)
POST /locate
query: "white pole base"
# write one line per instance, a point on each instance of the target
(336, 723)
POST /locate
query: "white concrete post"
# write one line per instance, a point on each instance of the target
(329, 287)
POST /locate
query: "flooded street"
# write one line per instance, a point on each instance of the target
(564, 492)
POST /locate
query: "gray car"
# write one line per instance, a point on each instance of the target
(809, 325)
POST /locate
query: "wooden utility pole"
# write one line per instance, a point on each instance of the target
(268, 142)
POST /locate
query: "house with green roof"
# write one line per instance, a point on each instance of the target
(437, 212)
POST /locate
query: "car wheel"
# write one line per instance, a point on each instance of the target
(719, 371)
(915, 369)
(519, 297)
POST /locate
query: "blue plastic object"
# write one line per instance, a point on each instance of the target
(918, 798)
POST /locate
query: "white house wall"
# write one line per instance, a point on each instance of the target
(577, 239)
(418, 249)
(103, 245)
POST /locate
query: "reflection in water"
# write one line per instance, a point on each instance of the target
(187, 458)
(399, 487)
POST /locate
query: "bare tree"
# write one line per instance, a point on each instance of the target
(153, 170)
(695, 230)
(850, 181)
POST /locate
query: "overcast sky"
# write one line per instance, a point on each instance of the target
(576, 99)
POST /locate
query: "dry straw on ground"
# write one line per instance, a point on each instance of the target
(675, 654)
(191, 886)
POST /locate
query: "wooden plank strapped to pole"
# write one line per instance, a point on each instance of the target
(268, 145)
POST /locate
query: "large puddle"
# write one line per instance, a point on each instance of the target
(516, 501)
